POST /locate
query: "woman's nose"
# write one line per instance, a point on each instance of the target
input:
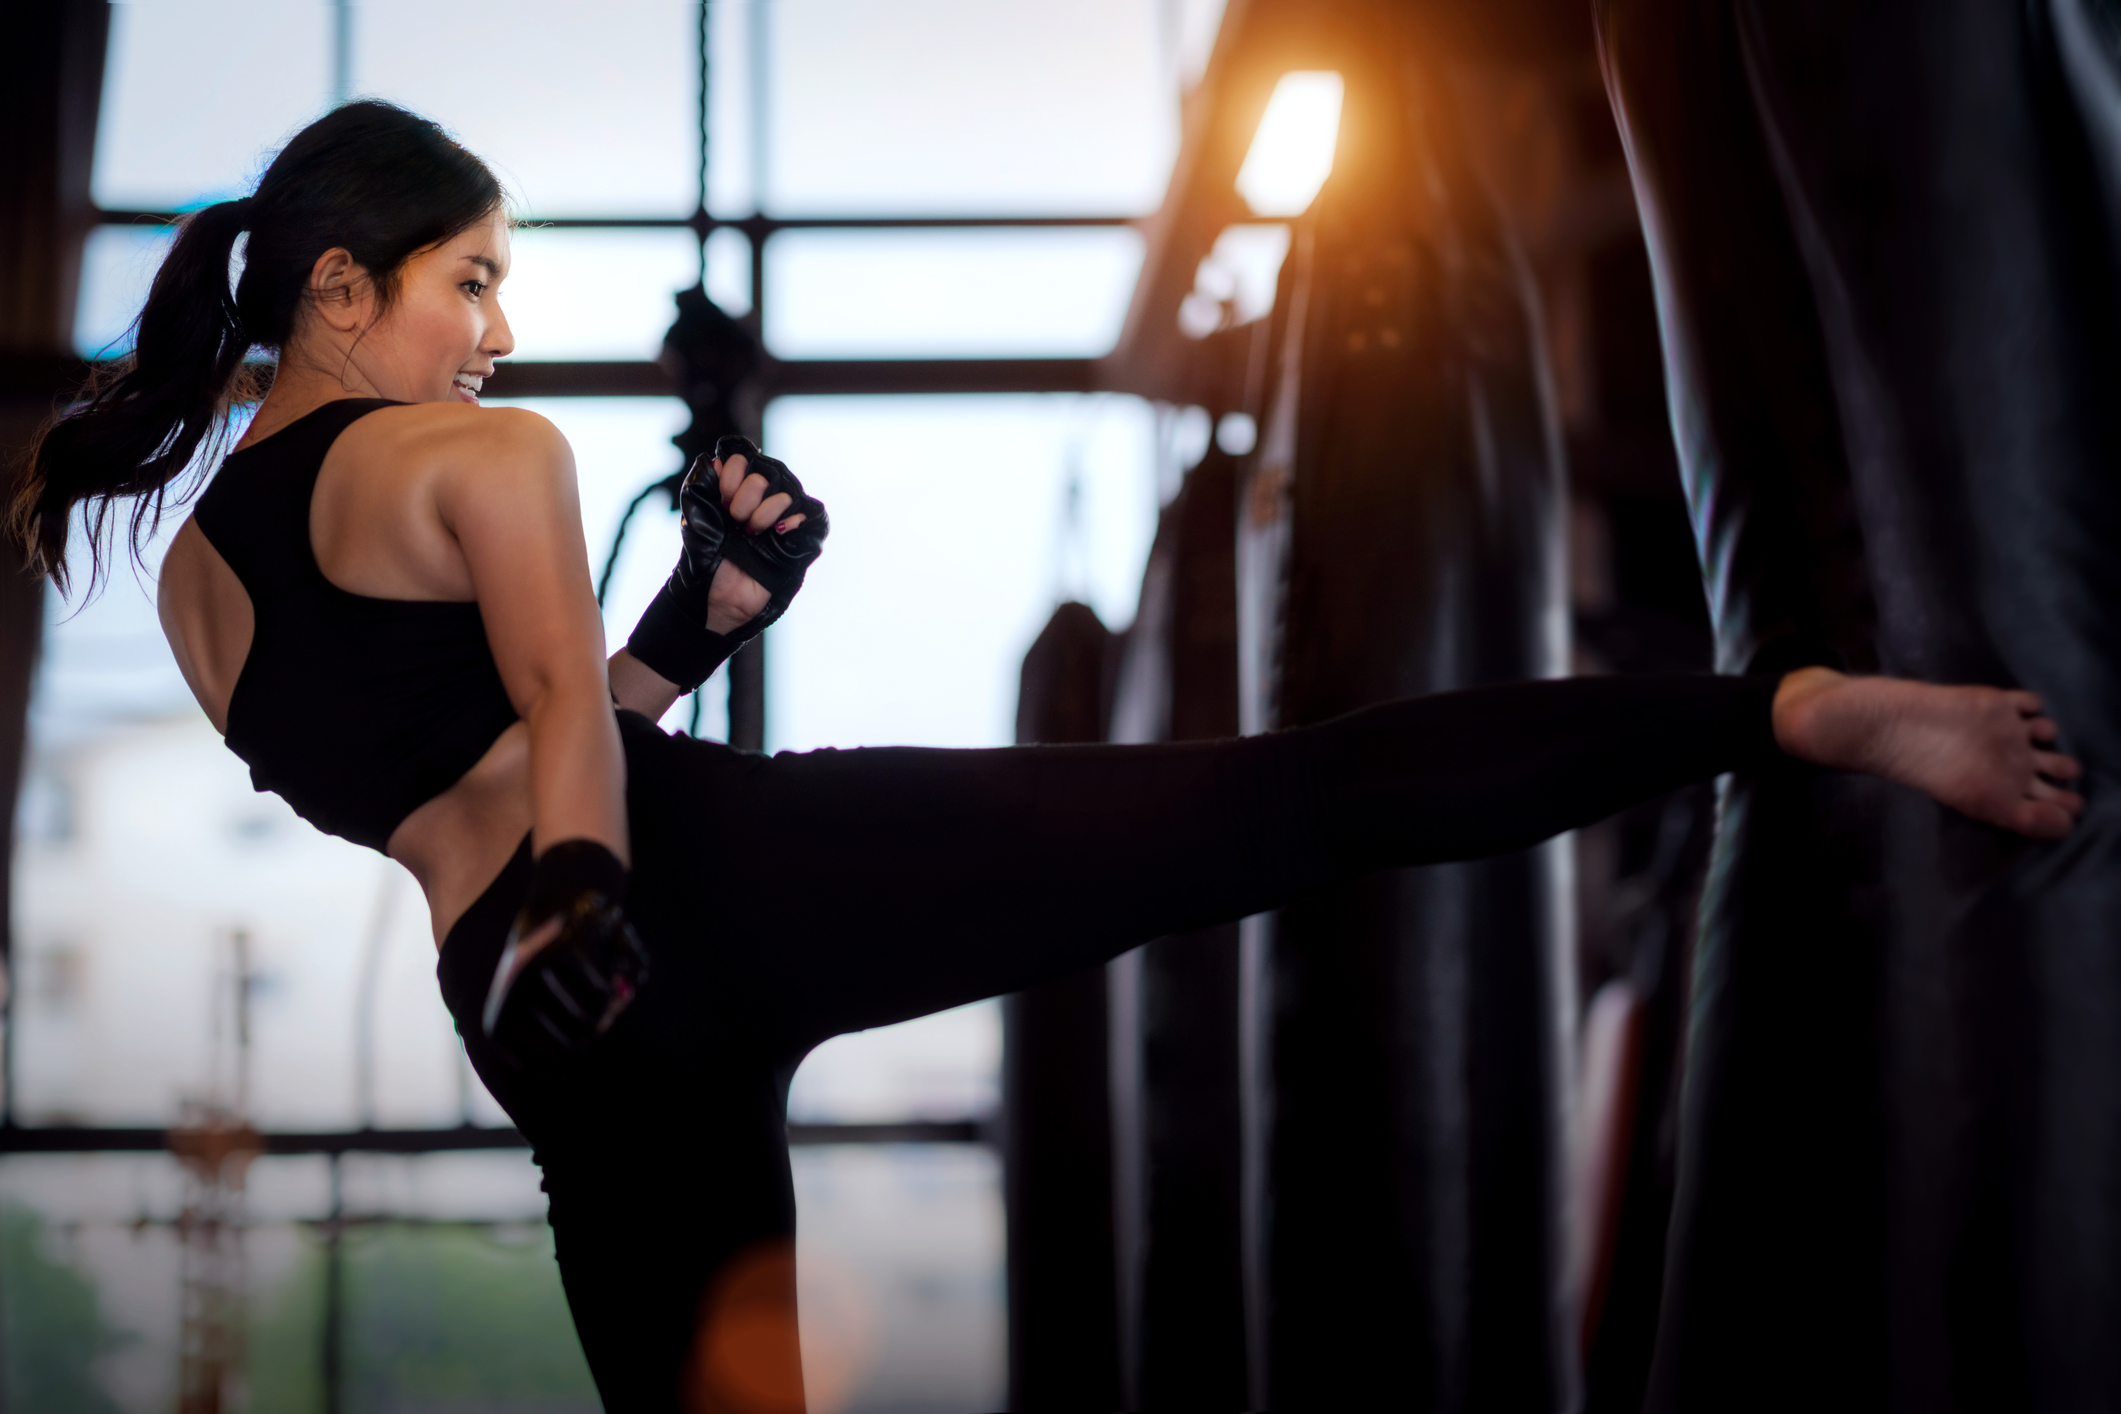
(500, 338)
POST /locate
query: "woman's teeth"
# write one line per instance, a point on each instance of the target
(469, 386)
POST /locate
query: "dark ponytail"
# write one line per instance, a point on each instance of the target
(380, 182)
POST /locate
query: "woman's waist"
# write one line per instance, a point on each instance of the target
(458, 841)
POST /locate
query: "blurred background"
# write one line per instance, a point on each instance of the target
(1006, 276)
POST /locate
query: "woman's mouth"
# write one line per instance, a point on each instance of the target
(466, 387)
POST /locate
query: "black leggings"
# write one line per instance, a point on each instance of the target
(788, 899)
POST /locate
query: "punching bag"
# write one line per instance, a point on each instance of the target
(1056, 1124)
(1883, 241)
(1174, 1001)
(1401, 534)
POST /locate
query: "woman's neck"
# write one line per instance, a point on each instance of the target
(307, 378)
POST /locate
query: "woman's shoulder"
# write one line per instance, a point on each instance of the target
(451, 429)
(455, 446)
(399, 474)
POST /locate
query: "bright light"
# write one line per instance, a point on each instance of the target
(1293, 150)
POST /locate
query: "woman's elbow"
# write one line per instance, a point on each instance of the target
(563, 695)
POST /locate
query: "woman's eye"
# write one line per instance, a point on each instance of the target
(477, 287)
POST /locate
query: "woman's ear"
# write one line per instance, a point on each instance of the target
(340, 290)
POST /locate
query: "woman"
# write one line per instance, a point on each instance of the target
(383, 602)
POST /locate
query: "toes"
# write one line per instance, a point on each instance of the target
(2041, 729)
(2057, 767)
(2068, 801)
(2027, 703)
(2041, 821)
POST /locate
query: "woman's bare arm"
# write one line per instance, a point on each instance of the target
(511, 503)
(638, 687)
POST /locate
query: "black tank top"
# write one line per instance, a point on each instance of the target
(355, 711)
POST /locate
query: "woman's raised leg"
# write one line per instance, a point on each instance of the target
(837, 890)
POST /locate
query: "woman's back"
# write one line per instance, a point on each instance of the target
(324, 607)
(403, 689)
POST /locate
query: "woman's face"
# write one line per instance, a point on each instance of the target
(440, 336)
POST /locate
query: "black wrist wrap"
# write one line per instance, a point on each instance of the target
(676, 645)
(672, 639)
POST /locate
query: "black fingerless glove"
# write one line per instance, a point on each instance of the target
(549, 1004)
(778, 562)
(672, 637)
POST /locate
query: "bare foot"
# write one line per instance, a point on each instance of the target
(1981, 750)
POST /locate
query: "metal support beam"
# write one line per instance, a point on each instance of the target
(84, 1139)
(758, 228)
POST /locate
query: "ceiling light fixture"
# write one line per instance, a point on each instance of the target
(1292, 152)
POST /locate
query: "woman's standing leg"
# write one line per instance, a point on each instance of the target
(665, 1159)
(676, 1245)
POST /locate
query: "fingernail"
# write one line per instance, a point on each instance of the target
(781, 528)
